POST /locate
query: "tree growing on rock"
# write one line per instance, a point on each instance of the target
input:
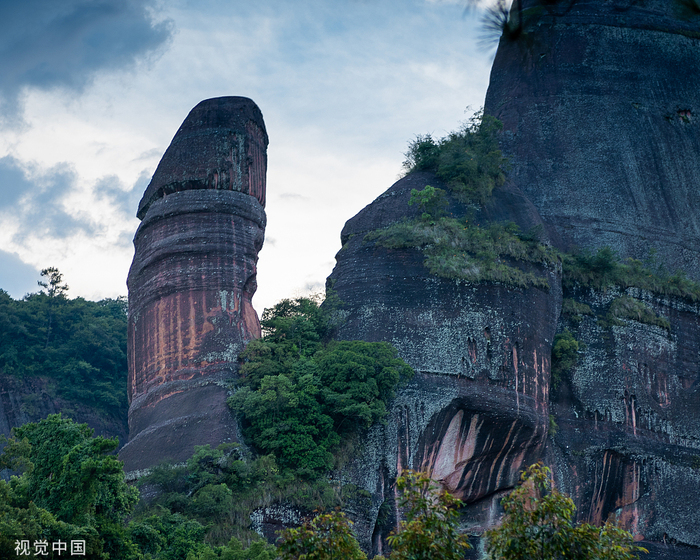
(538, 526)
(431, 528)
(430, 531)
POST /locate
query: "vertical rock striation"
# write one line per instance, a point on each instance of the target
(600, 101)
(477, 410)
(192, 280)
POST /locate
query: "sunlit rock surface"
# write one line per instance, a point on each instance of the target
(192, 281)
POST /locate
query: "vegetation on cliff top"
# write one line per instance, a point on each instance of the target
(457, 250)
(469, 161)
(471, 165)
(78, 345)
(604, 269)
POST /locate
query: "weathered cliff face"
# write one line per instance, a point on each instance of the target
(600, 102)
(192, 281)
(628, 444)
(477, 410)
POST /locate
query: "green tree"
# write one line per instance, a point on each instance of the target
(54, 286)
(55, 290)
(538, 525)
(70, 488)
(86, 354)
(327, 536)
(303, 397)
(469, 161)
(431, 528)
(431, 200)
(564, 356)
(69, 472)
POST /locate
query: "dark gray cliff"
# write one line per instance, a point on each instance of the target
(600, 102)
(628, 443)
(477, 410)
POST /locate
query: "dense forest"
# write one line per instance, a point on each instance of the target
(77, 348)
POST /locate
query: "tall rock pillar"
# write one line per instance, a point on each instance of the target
(192, 280)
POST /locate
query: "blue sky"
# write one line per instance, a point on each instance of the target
(92, 92)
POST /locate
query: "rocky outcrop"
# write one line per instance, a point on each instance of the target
(628, 416)
(192, 281)
(477, 410)
(600, 102)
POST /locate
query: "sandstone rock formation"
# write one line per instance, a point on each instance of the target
(600, 102)
(192, 281)
(628, 416)
(477, 410)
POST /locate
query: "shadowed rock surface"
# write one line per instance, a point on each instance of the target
(477, 410)
(600, 102)
(192, 281)
(628, 416)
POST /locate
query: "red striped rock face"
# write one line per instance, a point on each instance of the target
(192, 281)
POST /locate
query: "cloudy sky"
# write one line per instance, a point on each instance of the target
(92, 91)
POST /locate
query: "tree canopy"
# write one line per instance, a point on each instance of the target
(80, 345)
(302, 396)
(70, 488)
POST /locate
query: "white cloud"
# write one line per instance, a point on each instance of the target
(343, 86)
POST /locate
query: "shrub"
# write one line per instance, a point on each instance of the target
(564, 356)
(626, 307)
(575, 309)
(431, 200)
(462, 251)
(431, 528)
(469, 160)
(327, 536)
